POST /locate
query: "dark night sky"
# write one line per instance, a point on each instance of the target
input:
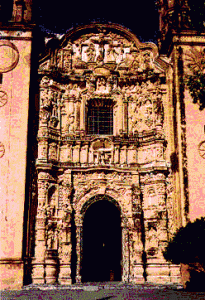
(141, 17)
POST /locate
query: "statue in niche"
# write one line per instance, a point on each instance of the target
(133, 117)
(91, 52)
(90, 83)
(45, 99)
(50, 227)
(147, 60)
(78, 52)
(71, 123)
(111, 53)
(136, 59)
(148, 113)
(100, 57)
(101, 84)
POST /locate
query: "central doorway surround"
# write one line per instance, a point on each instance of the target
(102, 243)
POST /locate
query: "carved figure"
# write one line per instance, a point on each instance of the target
(101, 84)
(100, 57)
(111, 53)
(91, 52)
(71, 124)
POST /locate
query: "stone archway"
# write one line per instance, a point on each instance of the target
(102, 241)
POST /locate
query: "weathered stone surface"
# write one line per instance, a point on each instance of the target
(115, 121)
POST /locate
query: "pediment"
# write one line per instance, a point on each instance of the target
(101, 49)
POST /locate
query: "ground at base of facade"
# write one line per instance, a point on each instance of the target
(101, 291)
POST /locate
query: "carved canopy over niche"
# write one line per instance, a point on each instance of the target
(103, 64)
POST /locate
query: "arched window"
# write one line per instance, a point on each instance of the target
(100, 117)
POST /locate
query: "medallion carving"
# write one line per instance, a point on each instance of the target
(9, 56)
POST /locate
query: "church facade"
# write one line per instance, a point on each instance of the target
(101, 151)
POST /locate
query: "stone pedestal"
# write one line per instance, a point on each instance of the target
(158, 273)
(38, 272)
(65, 274)
(175, 273)
(51, 265)
(138, 271)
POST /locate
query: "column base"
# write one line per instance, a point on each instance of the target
(175, 273)
(51, 264)
(138, 272)
(158, 273)
(65, 274)
(38, 269)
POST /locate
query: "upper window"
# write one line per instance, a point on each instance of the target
(100, 117)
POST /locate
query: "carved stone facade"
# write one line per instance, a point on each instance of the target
(84, 156)
(107, 120)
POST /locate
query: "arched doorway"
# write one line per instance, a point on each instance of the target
(101, 243)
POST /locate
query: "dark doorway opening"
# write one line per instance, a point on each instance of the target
(101, 243)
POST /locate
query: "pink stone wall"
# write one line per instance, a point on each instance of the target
(13, 135)
(195, 124)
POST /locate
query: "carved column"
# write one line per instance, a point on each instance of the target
(117, 154)
(79, 230)
(65, 248)
(77, 115)
(64, 114)
(82, 115)
(125, 116)
(123, 154)
(84, 154)
(125, 253)
(43, 150)
(155, 224)
(64, 229)
(76, 153)
(137, 244)
(40, 241)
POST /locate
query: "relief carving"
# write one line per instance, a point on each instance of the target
(91, 52)
(95, 69)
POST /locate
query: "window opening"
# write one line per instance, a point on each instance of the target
(100, 117)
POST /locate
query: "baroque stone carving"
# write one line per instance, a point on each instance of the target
(104, 68)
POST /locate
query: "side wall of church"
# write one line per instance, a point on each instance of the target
(15, 55)
(188, 116)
